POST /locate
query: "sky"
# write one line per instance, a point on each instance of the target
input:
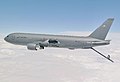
(56, 16)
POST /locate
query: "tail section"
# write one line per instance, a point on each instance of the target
(102, 31)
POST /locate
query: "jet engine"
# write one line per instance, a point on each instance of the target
(37, 45)
(32, 46)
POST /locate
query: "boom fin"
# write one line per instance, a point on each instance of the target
(102, 31)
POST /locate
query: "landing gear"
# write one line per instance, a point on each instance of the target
(107, 57)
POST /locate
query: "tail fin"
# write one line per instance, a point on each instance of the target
(101, 32)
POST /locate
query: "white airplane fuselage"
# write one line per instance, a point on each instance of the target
(96, 38)
(39, 41)
(63, 41)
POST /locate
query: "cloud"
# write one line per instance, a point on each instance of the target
(59, 65)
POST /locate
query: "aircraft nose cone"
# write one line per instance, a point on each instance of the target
(6, 39)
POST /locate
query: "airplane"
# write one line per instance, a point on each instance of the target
(40, 41)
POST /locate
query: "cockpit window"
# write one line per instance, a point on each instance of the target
(8, 36)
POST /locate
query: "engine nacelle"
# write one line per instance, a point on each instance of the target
(37, 45)
(32, 46)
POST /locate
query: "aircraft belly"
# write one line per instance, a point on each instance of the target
(71, 44)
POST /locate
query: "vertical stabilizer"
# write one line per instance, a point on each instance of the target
(102, 31)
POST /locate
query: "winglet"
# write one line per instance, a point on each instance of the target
(102, 31)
